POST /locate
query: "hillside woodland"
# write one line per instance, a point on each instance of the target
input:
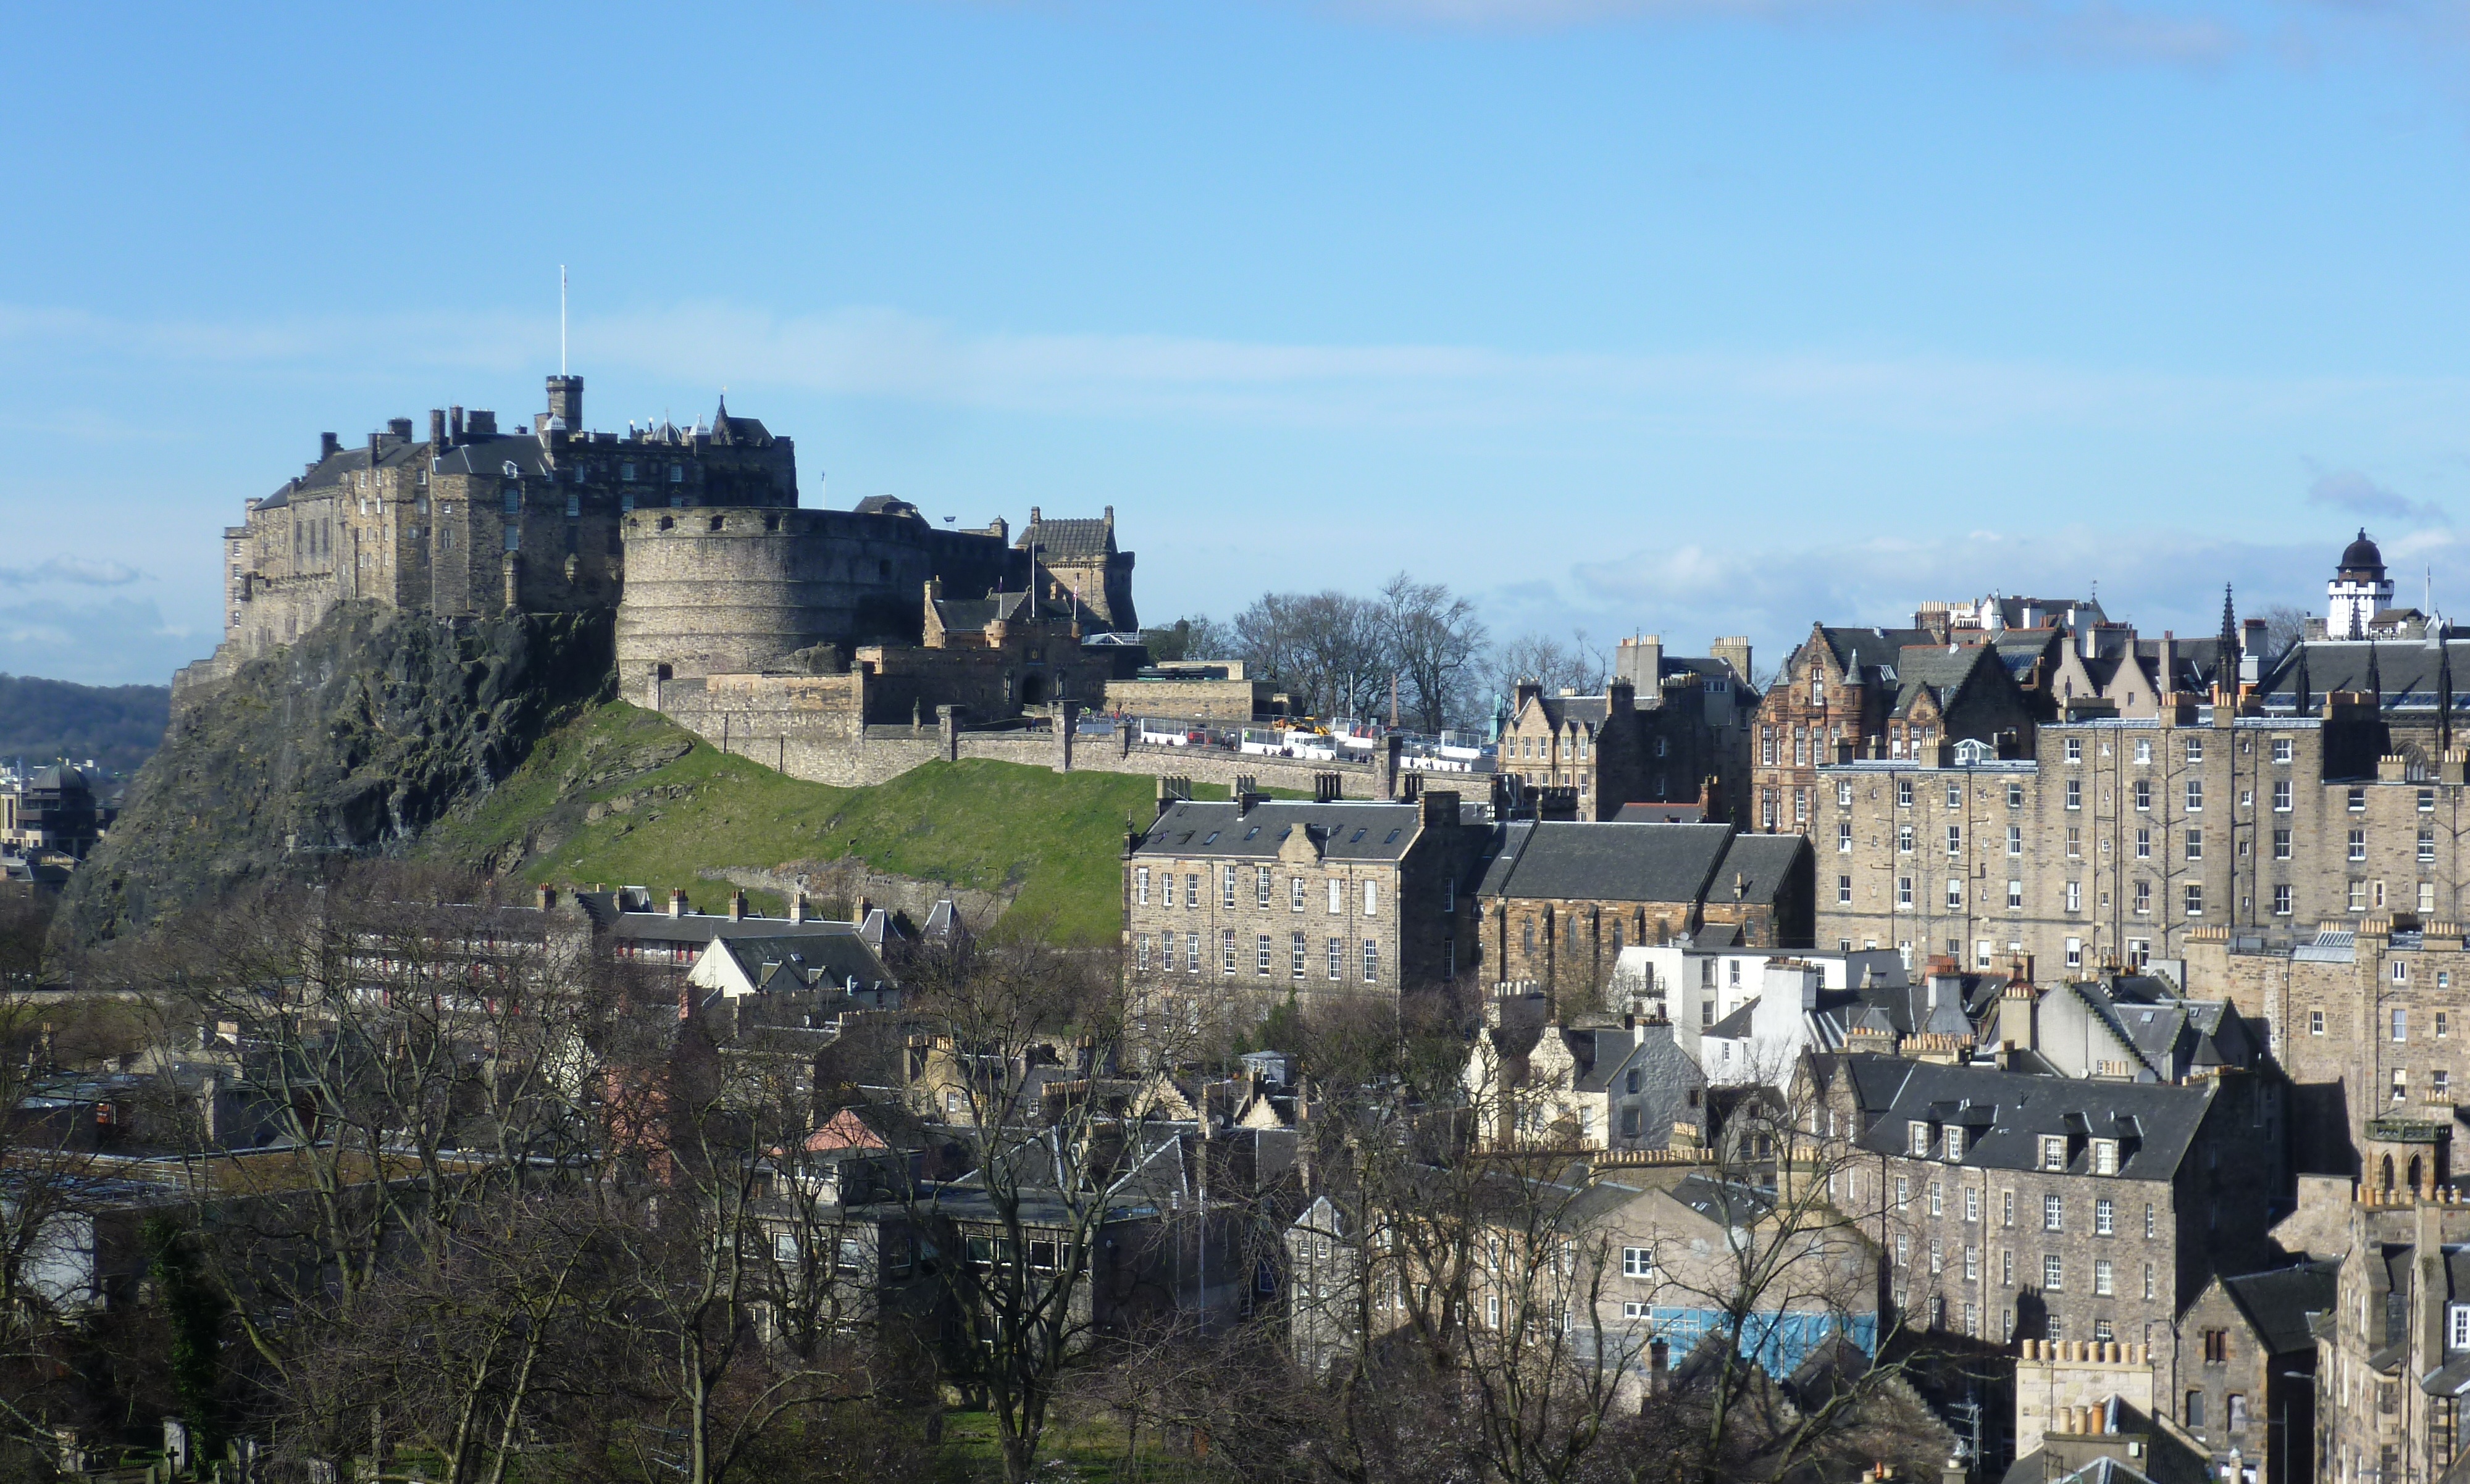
(43, 721)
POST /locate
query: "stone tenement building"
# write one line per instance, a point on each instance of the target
(2368, 1019)
(1872, 694)
(2011, 1205)
(1561, 899)
(2115, 839)
(1665, 729)
(1235, 906)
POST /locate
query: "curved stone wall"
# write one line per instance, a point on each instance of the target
(715, 592)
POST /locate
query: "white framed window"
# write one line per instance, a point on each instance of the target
(1337, 897)
(2075, 951)
(2054, 1151)
(2054, 1213)
(2143, 749)
(1336, 958)
(1917, 1136)
(2075, 748)
(1638, 1263)
(1954, 1143)
(2015, 897)
(2054, 1274)
(1371, 962)
(1372, 898)
(2101, 1277)
(2282, 749)
(1141, 885)
(2104, 1157)
(1954, 894)
(2104, 1217)
(2457, 1327)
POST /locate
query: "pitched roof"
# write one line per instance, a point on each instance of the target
(1943, 670)
(2406, 672)
(1344, 829)
(1871, 650)
(2006, 1114)
(1069, 540)
(1609, 859)
(2279, 1302)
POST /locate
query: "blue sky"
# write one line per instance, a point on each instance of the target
(1691, 316)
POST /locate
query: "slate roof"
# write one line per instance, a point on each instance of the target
(1347, 830)
(1069, 540)
(2279, 1302)
(806, 959)
(1615, 860)
(2406, 671)
(1871, 653)
(2007, 1113)
(1561, 712)
(886, 504)
(971, 615)
(1941, 670)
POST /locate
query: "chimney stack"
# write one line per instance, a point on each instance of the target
(436, 431)
(677, 903)
(455, 424)
(328, 446)
(797, 906)
(548, 898)
(737, 906)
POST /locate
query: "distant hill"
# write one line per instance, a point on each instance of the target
(117, 725)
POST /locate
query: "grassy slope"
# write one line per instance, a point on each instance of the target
(972, 824)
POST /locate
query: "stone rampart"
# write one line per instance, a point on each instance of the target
(805, 726)
(718, 592)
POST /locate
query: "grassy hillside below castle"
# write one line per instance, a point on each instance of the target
(622, 796)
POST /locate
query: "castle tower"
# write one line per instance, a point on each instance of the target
(566, 401)
(2359, 591)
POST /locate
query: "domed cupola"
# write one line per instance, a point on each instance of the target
(2359, 591)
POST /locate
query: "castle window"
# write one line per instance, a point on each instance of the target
(514, 500)
(626, 502)
(574, 506)
(514, 538)
(714, 523)
(677, 473)
(625, 471)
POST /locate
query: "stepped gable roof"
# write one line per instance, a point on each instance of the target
(1344, 829)
(1609, 859)
(2407, 669)
(2279, 1302)
(1069, 540)
(2008, 1113)
(1868, 653)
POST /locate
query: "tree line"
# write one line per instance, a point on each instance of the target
(1341, 655)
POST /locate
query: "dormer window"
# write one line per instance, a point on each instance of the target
(2054, 1151)
(1954, 1143)
(1918, 1132)
(2457, 1327)
(2105, 1156)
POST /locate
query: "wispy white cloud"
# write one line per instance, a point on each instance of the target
(887, 353)
(84, 571)
(2347, 489)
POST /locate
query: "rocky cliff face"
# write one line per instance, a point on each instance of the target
(351, 741)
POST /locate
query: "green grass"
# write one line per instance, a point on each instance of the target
(976, 823)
